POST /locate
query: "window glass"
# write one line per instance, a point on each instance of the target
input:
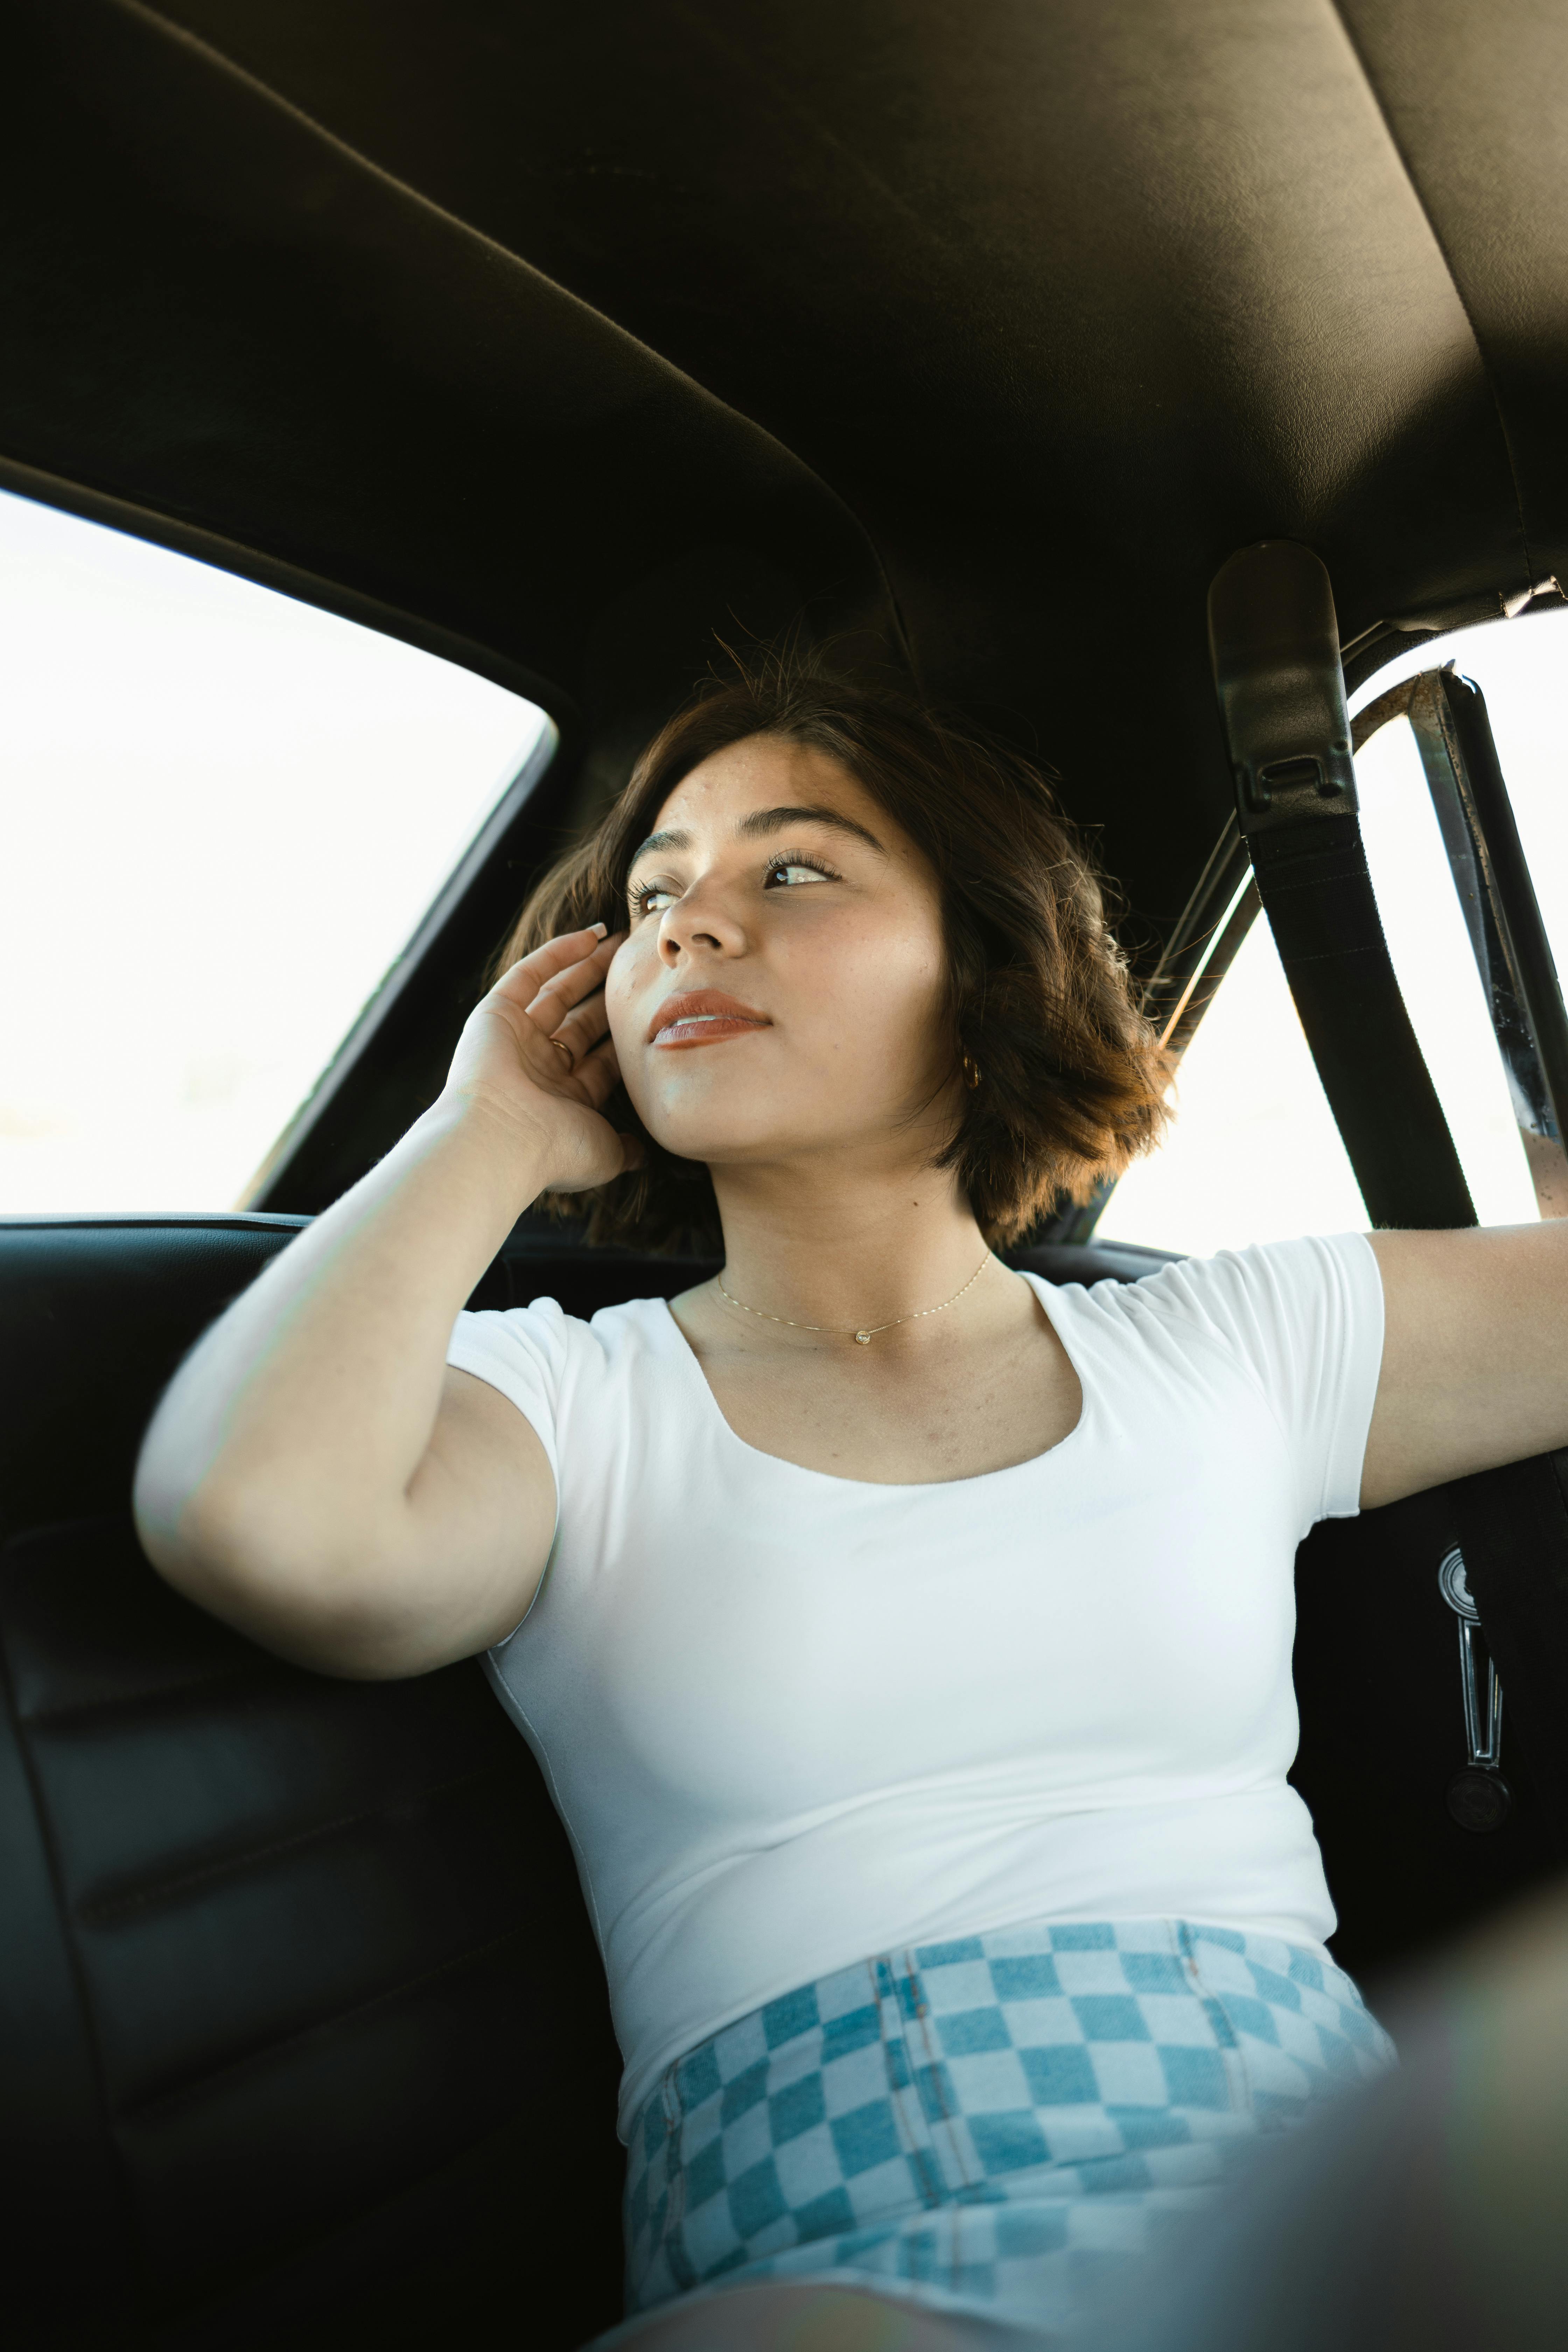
(1522, 668)
(222, 816)
(1437, 976)
(1254, 1154)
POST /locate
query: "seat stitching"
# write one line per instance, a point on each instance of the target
(60, 1719)
(104, 1911)
(166, 2102)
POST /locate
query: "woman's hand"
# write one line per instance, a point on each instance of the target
(316, 1474)
(538, 1049)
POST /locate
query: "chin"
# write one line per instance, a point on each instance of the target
(737, 1123)
(720, 1141)
(695, 1113)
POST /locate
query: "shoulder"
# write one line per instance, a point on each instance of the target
(1297, 1269)
(559, 1343)
(1271, 1306)
(1286, 1278)
(567, 1377)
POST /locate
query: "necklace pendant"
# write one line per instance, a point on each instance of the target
(862, 1339)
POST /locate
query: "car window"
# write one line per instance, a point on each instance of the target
(222, 816)
(1254, 1154)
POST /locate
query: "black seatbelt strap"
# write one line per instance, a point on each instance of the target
(1275, 644)
(1512, 1523)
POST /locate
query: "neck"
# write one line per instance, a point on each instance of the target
(839, 1252)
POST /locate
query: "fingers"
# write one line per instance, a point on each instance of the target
(554, 1000)
(543, 986)
(597, 1074)
(530, 973)
(570, 987)
(570, 1007)
(597, 1078)
(583, 1028)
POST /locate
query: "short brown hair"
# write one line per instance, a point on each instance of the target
(1072, 1079)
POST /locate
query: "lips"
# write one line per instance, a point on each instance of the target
(703, 1016)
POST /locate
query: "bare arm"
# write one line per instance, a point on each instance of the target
(1475, 1366)
(315, 1473)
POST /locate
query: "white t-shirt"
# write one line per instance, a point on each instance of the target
(791, 1719)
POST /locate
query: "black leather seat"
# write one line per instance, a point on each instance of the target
(304, 2033)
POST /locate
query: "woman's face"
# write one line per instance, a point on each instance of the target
(783, 987)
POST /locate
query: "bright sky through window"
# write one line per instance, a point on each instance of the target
(1255, 1155)
(222, 814)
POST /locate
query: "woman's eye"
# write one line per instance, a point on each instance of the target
(652, 898)
(788, 872)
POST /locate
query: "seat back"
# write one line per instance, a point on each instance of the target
(303, 2033)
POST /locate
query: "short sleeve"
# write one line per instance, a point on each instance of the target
(522, 1351)
(1305, 1321)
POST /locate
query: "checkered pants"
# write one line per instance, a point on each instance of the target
(992, 2124)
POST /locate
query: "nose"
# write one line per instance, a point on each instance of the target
(702, 921)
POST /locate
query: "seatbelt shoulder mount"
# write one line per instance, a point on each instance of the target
(1275, 644)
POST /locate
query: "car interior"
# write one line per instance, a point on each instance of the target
(1138, 377)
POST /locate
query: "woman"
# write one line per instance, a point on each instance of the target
(913, 1669)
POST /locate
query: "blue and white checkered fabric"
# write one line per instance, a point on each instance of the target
(985, 2124)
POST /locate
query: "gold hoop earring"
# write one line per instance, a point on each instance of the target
(973, 1074)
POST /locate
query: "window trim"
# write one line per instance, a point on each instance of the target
(360, 1039)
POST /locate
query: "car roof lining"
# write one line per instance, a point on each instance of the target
(967, 342)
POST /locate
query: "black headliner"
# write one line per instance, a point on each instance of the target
(1026, 312)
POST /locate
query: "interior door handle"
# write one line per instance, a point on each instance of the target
(1478, 1796)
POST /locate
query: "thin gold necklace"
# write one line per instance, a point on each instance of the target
(861, 1338)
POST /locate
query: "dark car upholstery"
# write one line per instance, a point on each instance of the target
(304, 2033)
(963, 338)
(303, 2023)
(308, 2026)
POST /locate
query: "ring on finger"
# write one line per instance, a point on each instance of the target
(563, 1047)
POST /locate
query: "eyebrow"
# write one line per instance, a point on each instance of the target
(762, 822)
(778, 820)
